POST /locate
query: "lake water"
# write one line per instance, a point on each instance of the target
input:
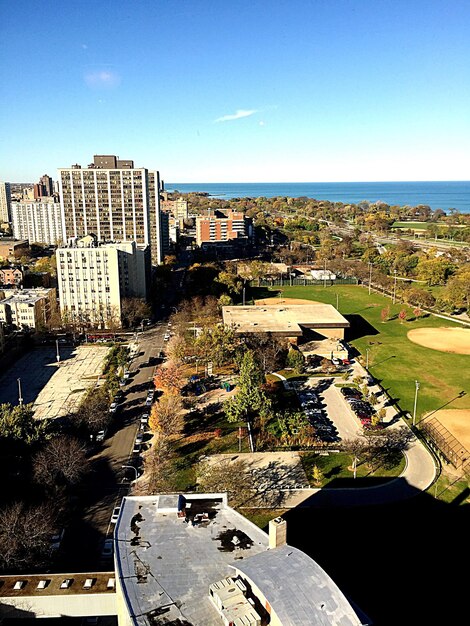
(438, 195)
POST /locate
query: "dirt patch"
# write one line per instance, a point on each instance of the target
(457, 422)
(455, 340)
(277, 301)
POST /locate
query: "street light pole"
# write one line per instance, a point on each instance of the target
(367, 359)
(57, 356)
(416, 401)
(395, 286)
(20, 395)
(337, 301)
(370, 275)
(131, 467)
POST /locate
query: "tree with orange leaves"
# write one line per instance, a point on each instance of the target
(169, 380)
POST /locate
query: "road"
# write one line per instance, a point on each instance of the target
(108, 483)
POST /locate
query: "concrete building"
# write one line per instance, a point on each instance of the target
(190, 560)
(27, 308)
(38, 221)
(44, 188)
(221, 227)
(11, 276)
(286, 320)
(114, 201)
(93, 278)
(10, 248)
(5, 199)
(178, 208)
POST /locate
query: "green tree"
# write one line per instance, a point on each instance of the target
(433, 270)
(317, 476)
(18, 424)
(457, 291)
(250, 399)
(296, 360)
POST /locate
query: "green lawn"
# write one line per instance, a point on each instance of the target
(413, 225)
(394, 360)
(337, 473)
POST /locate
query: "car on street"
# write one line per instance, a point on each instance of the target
(137, 448)
(115, 515)
(100, 435)
(144, 418)
(139, 439)
(148, 402)
(108, 549)
(113, 407)
(166, 337)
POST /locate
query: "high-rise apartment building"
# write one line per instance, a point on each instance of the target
(115, 201)
(27, 308)
(93, 279)
(5, 200)
(39, 221)
(44, 188)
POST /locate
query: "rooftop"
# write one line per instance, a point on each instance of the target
(166, 563)
(54, 584)
(285, 318)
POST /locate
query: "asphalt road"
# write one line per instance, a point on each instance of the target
(108, 482)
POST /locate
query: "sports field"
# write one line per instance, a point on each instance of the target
(393, 359)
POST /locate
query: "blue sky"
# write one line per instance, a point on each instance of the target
(238, 91)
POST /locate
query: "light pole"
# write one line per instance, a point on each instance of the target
(324, 276)
(337, 301)
(367, 359)
(57, 356)
(131, 467)
(370, 276)
(395, 286)
(20, 396)
(416, 401)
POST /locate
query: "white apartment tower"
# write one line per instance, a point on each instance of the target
(93, 279)
(114, 201)
(5, 200)
(38, 221)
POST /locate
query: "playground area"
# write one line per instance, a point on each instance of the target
(454, 340)
(450, 430)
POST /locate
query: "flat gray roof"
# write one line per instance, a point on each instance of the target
(283, 318)
(297, 588)
(166, 565)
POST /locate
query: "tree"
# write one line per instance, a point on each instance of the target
(249, 399)
(457, 291)
(232, 478)
(159, 467)
(165, 416)
(402, 315)
(62, 462)
(25, 535)
(317, 476)
(93, 413)
(17, 423)
(168, 379)
(272, 350)
(295, 359)
(133, 311)
(384, 314)
(433, 270)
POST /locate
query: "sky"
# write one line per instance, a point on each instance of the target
(238, 90)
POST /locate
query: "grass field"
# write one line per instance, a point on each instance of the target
(393, 359)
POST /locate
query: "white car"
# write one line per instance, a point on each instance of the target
(166, 337)
(139, 439)
(144, 418)
(100, 435)
(115, 515)
(113, 407)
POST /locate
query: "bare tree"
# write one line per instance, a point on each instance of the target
(166, 417)
(227, 476)
(62, 461)
(25, 535)
(159, 467)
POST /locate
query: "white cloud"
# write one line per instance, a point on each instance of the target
(236, 116)
(102, 79)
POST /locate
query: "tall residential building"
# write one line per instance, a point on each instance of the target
(39, 221)
(178, 208)
(44, 188)
(115, 201)
(93, 279)
(5, 200)
(27, 308)
(222, 227)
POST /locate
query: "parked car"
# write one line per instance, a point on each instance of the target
(115, 515)
(113, 407)
(166, 337)
(100, 435)
(108, 549)
(144, 418)
(350, 392)
(148, 401)
(139, 439)
(136, 449)
(56, 540)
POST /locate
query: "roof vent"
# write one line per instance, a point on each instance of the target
(89, 582)
(66, 583)
(42, 584)
(111, 583)
(19, 584)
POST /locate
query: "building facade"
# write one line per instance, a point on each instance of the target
(114, 201)
(11, 276)
(39, 221)
(44, 188)
(222, 227)
(93, 279)
(27, 308)
(5, 200)
(10, 248)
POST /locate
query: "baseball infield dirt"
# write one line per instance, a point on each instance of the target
(456, 340)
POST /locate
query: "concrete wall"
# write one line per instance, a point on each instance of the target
(67, 605)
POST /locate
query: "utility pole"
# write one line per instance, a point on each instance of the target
(20, 396)
(370, 276)
(57, 356)
(416, 401)
(395, 286)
